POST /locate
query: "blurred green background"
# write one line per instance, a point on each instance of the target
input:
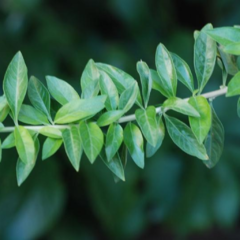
(175, 196)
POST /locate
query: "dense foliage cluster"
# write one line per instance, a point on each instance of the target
(92, 123)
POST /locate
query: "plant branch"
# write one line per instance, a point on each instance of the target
(209, 95)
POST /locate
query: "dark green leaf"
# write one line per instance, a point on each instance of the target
(61, 90)
(184, 138)
(238, 108)
(15, 84)
(50, 146)
(234, 86)
(134, 141)
(109, 117)
(0, 150)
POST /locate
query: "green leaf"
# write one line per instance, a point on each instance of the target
(150, 150)
(181, 106)
(201, 125)
(79, 109)
(224, 35)
(24, 169)
(50, 132)
(121, 79)
(238, 108)
(147, 121)
(15, 84)
(39, 96)
(215, 141)
(73, 146)
(1, 126)
(128, 97)
(61, 90)
(24, 144)
(184, 138)
(233, 48)
(157, 83)
(224, 71)
(0, 150)
(50, 146)
(89, 80)
(146, 81)
(166, 70)
(234, 86)
(109, 89)
(134, 141)
(115, 165)
(114, 140)
(4, 108)
(109, 117)
(9, 141)
(32, 116)
(205, 50)
(184, 73)
(92, 139)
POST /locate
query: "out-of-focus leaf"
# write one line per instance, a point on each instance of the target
(166, 70)
(234, 86)
(0, 150)
(32, 116)
(92, 139)
(224, 71)
(233, 48)
(109, 117)
(9, 141)
(114, 140)
(89, 80)
(147, 121)
(50, 132)
(181, 106)
(24, 144)
(15, 84)
(184, 138)
(184, 73)
(146, 81)
(4, 108)
(73, 146)
(134, 141)
(215, 141)
(109, 89)
(79, 109)
(61, 90)
(201, 125)
(205, 50)
(238, 108)
(50, 146)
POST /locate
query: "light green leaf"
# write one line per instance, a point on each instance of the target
(146, 81)
(201, 125)
(166, 70)
(196, 34)
(4, 108)
(24, 169)
(115, 165)
(121, 79)
(181, 106)
(234, 86)
(73, 146)
(157, 83)
(108, 88)
(147, 121)
(128, 97)
(109, 117)
(24, 144)
(32, 116)
(79, 109)
(51, 132)
(184, 138)
(224, 35)
(15, 84)
(215, 141)
(150, 150)
(233, 48)
(39, 96)
(114, 140)
(50, 146)
(61, 90)
(92, 139)
(205, 50)
(9, 141)
(89, 80)
(134, 141)
(1, 126)
(184, 73)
